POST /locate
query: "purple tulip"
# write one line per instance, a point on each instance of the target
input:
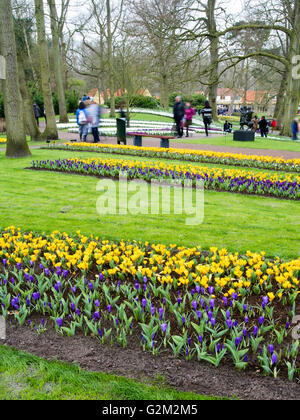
(255, 331)
(109, 308)
(274, 359)
(265, 300)
(229, 323)
(194, 304)
(144, 303)
(59, 322)
(97, 303)
(261, 320)
(271, 349)
(164, 327)
(73, 307)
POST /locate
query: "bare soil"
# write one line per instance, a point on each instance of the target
(132, 362)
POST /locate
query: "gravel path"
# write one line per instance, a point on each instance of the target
(148, 142)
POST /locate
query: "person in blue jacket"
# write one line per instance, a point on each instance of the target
(82, 121)
(295, 129)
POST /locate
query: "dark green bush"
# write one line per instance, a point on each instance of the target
(137, 101)
(197, 100)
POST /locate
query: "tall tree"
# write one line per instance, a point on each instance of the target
(63, 115)
(156, 23)
(51, 129)
(16, 138)
(29, 117)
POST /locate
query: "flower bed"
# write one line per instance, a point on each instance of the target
(213, 306)
(235, 159)
(232, 180)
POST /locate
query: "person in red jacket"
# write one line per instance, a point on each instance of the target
(188, 117)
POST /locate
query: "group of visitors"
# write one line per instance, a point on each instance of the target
(88, 116)
(184, 113)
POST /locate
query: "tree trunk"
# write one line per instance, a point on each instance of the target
(110, 62)
(278, 111)
(164, 92)
(214, 57)
(29, 117)
(51, 129)
(63, 115)
(64, 65)
(292, 97)
(16, 146)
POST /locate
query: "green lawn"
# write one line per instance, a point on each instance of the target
(259, 143)
(46, 201)
(27, 377)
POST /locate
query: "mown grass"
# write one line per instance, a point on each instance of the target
(27, 377)
(45, 201)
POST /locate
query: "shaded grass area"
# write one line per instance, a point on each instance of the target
(45, 201)
(259, 143)
(27, 377)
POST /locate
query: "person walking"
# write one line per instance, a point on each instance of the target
(94, 114)
(188, 117)
(82, 121)
(263, 126)
(178, 112)
(295, 129)
(37, 113)
(207, 116)
(255, 124)
(273, 125)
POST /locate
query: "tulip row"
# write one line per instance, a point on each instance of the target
(231, 180)
(256, 161)
(54, 276)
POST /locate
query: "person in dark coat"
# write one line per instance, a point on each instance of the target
(227, 127)
(207, 116)
(263, 126)
(178, 112)
(295, 129)
(37, 113)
